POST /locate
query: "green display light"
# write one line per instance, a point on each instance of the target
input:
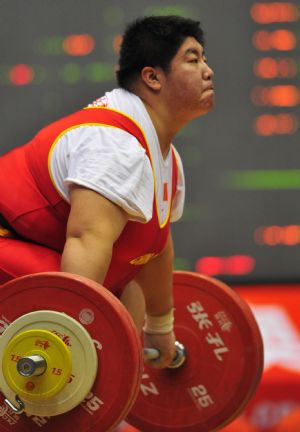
(4, 74)
(184, 11)
(99, 72)
(71, 73)
(51, 45)
(262, 179)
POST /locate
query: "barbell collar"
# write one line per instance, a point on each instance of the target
(178, 360)
(29, 366)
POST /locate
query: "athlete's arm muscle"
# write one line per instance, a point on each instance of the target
(94, 224)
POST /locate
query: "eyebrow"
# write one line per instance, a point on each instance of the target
(195, 51)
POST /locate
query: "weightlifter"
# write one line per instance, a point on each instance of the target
(94, 192)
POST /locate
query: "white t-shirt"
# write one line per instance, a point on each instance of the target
(112, 162)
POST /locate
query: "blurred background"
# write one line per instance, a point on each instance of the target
(241, 221)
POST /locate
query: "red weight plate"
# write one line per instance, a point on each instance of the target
(223, 367)
(116, 340)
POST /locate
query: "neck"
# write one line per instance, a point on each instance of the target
(166, 125)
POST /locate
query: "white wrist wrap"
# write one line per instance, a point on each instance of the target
(161, 324)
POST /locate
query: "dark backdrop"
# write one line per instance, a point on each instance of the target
(241, 220)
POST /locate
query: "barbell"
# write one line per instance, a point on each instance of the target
(70, 356)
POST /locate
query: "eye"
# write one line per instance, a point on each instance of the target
(194, 60)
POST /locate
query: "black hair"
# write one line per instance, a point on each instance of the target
(153, 41)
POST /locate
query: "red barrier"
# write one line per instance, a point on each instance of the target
(276, 308)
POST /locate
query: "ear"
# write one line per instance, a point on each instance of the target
(152, 77)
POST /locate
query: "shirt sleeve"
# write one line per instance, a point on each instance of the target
(179, 198)
(112, 162)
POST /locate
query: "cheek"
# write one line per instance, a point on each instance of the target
(191, 85)
(186, 88)
(195, 83)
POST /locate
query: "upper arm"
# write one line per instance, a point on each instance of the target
(94, 214)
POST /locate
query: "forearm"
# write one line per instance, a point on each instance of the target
(87, 256)
(156, 281)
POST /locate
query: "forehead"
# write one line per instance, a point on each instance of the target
(189, 45)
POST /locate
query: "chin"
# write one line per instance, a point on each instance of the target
(204, 110)
(207, 105)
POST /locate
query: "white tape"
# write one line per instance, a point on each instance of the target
(161, 324)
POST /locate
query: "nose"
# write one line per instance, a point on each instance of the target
(208, 73)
